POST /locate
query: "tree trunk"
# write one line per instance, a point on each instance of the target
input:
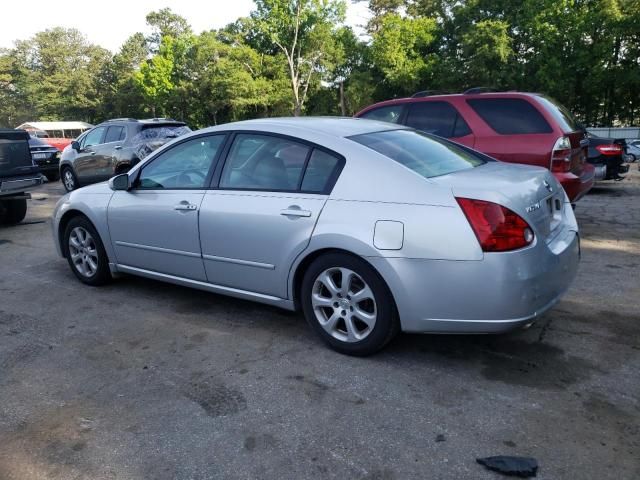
(343, 108)
(153, 111)
(297, 111)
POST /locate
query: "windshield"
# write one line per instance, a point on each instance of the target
(560, 114)
(426, 155)
(153, 136)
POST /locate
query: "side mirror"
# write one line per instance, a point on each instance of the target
(119, 182)
(75, 145)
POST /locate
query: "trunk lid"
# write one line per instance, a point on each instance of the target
(531, 192)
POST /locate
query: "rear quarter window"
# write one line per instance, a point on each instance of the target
(510, 116)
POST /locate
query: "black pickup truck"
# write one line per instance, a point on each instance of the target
(18, 173)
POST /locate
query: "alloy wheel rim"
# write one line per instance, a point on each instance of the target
(68, 180)
(83, 251)
(344, 304)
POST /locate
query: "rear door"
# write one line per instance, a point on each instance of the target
(86, 164)
(261, 217)
(439, 118)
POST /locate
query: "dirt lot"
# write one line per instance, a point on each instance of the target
(143, 380)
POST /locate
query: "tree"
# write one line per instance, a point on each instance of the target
(302, 30)
(165, 23)
(155, 77)
(400, 50)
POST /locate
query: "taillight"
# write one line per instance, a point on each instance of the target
(612, 149)
(561, 155)
(498, 229)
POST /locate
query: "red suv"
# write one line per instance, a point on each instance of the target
(511, 126)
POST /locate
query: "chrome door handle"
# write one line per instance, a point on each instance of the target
(118, 147)
(185, 206)
(295, 211)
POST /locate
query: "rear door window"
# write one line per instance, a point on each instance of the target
(264, 162)
(114, 134)
(389, 114)
(437, 118)
(321, 170)
(510, 116)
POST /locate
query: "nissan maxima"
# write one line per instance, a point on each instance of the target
(366, 227)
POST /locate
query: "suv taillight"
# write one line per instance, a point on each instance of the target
(610, 150)
(498, 229)
(561, 155)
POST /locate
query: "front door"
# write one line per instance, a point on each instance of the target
(271, 191)
(154, 226)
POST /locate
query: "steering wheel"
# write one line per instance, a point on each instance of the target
(187, 174)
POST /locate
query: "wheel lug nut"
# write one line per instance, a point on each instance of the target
(351, 308)
(343, 313)
(335, 304)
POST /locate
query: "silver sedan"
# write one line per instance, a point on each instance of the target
(367, 227)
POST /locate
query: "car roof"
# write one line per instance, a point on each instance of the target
(333, 126)
(468, 96)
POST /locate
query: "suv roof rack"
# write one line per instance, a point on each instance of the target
(474, 90)
(159, 119)
(121, 120)
(428, 93)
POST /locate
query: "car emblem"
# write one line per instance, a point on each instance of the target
(533, 208)
(547, 186)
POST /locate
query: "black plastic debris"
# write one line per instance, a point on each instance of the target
(523, 467)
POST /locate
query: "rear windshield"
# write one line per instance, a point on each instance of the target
(151, 132)
(563, 116)
(510, 116)
(424, 154)
(14, 154)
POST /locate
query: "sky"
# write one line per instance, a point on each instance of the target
(110, 23)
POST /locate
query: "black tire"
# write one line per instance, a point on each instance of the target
(102, 274)
(386, 325)
(69, 179)
(52, 176)
(12, 211)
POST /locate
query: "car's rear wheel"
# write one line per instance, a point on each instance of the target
(348, 304)
(85, 252)
(69, 179)
(53, 176)
(12, 211)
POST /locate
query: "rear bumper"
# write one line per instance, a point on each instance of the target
(499, 293)
(577, 187)
(13, 185)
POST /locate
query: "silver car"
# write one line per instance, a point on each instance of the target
(367, 227)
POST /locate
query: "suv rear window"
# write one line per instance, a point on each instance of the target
(424, 154)
(438, 118)
(563, 116)
(510, 116)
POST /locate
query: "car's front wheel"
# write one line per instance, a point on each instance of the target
(85, 252)
(69, 179)
(348, 304)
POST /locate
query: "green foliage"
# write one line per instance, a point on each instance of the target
(155, 76)
(297, 56)
(400, 50)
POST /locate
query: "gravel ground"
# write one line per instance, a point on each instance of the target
(143, 380)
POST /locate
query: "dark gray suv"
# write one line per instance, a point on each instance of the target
(113, 147)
